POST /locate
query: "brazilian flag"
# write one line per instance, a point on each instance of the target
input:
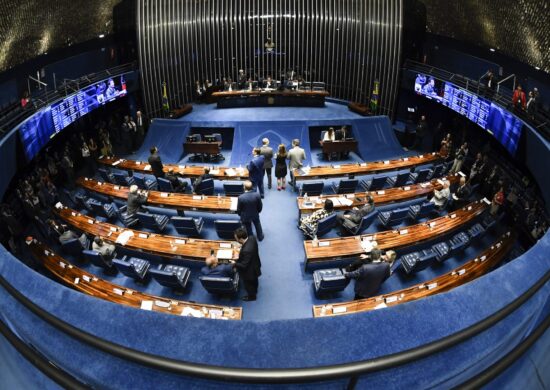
(375, 96)
(165, 103)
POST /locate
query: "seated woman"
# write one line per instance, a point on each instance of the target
(330, 135)
(309, 224)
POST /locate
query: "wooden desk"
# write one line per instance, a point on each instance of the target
(350, 247)
(173, 200)
(171, 247)
(219, 173)
(266, 98)
(459, 276)
(90, 284)
(202, 148)
(390, 195)
(346, 170)
(338, 146)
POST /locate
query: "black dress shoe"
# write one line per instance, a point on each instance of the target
(247, 298)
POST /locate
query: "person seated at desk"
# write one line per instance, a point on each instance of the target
(177, 185)
(330, 135)
(350, 219)
(105, 249)
(371, 274)
(309, 224)
(200, 179)
(214, 268)
(65, 234)
(268, 83)
(341, 134)
(136, 199)
(462, 193)
(442, 196)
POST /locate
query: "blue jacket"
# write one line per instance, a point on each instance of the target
(256, 169)
(223, 270)
(249, 206)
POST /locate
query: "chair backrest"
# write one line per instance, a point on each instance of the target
(225, 229)
(422, 175)
(377, 183)
(165, 278)
(105, 175)
(219, 284)
(333, 282)
(97, 207)
(326, 224)
(233, 189)
(217, 136)
(164, 185)
(126, 268)
(120, 178)
(366, 221)
(347, 186)
(426, 209)
(73, 247)
(196, 137)
(206, 187)
(401, 179)
(313, 188)
(184, 225)
(147, 220)
(400, 213)
(95, 258)
(437, 171)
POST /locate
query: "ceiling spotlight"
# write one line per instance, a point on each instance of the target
(491, 49)
(102, 35)
(537, 67)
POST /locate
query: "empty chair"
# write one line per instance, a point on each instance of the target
(123, 180)
(399, 180)
(323, 226)
(188, 226)
(75, 247)
(476, 231)
(133, 267)
(423, 210)
(417, 261)
(314, 188)
(107, 210)
(172, 276)
(442, 251)
(346, 186)
(436, 171)
(374, 184)
(366, 221)
(328, 281)
(225, 229)
(420, 176)
(459, 241)
(488, 222)
(233, 189)
(393, 217)
(152, 221)
(101, 261)
(220, 284)
(126, 219)
(106, 175)
(82, 201)
(144, 183)
(206, 187)
(164, 185)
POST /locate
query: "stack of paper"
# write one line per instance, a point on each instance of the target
(230, 172)
(225, 254)
(345, 201)
(123, 238)
(233, 206)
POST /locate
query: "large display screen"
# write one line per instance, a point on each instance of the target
(36, 131)
(504, 126)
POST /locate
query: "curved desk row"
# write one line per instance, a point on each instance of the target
(457, 277)
(219, 173)
(358, 199)
(351, 247)
(90, 284)
(358, 169)
(173, 200)
(172, 247)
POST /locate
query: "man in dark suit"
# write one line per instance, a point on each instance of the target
(350, 219)
(135, 200)
(177, 185)
(249, 206)
(155, 162)
(248, 263)
(141, 126)
(214, 268)
(369, 277)
(256, 170)
(206, 175)
(267, 152)
(462, 193)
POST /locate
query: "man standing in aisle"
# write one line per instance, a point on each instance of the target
(249, 207)
(256, 170)
(296, 157)
(156, 163)
(248, 263)
(267, 152)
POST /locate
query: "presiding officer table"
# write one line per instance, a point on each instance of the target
(270, 98)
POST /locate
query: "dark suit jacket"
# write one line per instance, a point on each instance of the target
(200, 179)
(267, 153)
(249, 206)
(369, 278)
(248, 264)
(134, 203)
(256, 169)
(156, 165)
(464, 191)
(223, 270)
(176, 184)
(357, 215)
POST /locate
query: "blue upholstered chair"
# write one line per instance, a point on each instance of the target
(220, 284)
(172, 276)
(164, 185)
(123, 180)
(82, 201)
(442, 251)
(314, 188)
(74, 247)
(374, 184)
(106, 175)
(459, 241)
(323, 226)
(145, 183)
(393, 217)
(152, 221)
(126, 219)
(101, 261)
(233, 188)
(188, 226)
(417, 261)
(346, 186)
(206, 187)
(329, 281)
(366, 221)
(437, 171)
(423, 210)
(420, 176)
(398, 180)
(476, 231)
(133, 267)
(107, 210)
(225, 229)
(488, 222)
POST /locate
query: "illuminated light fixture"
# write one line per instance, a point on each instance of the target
(102, 35)
(537, 67)
(491, 49)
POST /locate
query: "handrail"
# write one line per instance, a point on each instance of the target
(275, 376)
